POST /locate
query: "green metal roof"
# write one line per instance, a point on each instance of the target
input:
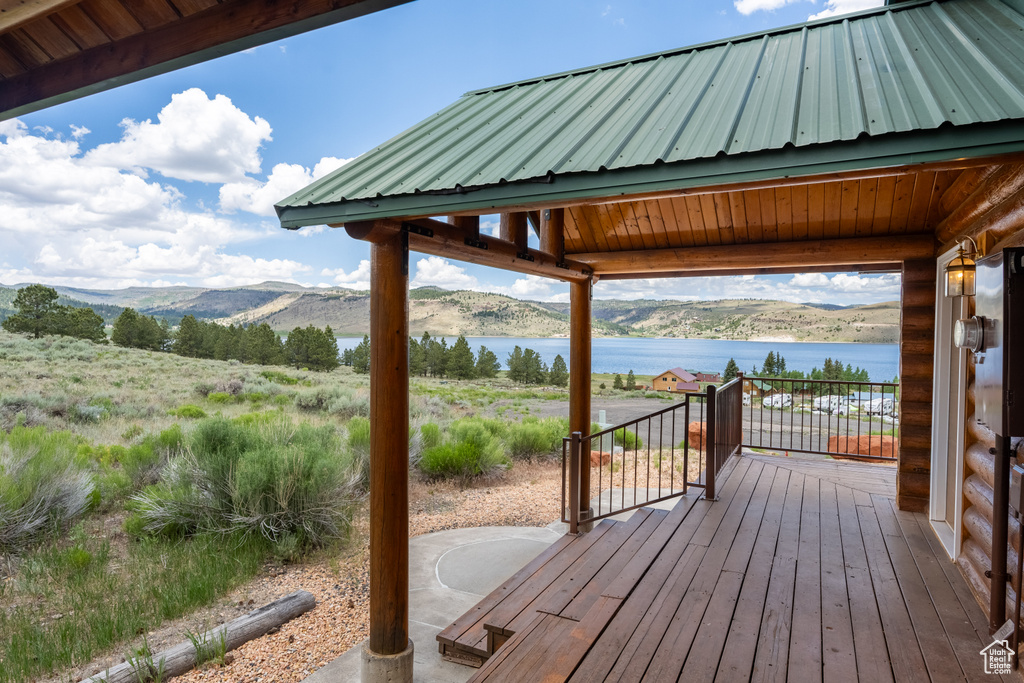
(908, 83)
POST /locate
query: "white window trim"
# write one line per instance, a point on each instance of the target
(949, 419)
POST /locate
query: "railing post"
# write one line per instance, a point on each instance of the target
(575, 443)
(709, 444)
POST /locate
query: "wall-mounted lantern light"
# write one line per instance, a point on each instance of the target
(960, 272)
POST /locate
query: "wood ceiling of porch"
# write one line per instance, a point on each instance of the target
(904, 204)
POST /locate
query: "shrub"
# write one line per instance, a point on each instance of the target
(279, 377)
(220, 397)
(627, 439)
(317, 399)
(43, 485)
(348, 404)
(189, 410)
(470, 450)
(535, 437)
(269, 479)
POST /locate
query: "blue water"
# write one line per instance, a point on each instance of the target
(646, 356)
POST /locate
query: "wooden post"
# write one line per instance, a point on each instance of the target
(552, 237)
(513, 228)
(471, 224)
(579, 378)
(389, 445)
(917, 357)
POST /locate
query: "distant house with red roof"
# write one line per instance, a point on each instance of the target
(675, 380)
(709, 377)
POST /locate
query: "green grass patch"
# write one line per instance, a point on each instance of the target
(73, 603)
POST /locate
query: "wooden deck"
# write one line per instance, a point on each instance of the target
(801, 571)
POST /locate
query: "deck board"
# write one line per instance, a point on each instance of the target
(801, 571)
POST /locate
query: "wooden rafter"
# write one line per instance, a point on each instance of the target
(433, 237)
(224, 28)
(15, 13)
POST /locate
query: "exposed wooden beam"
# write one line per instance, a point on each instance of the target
(894, 267)
(552, 232)
(970, 216)
(468, 224)
(513, 229)
(227, 27)
(15, 13)
(839, 252)
(433, 237)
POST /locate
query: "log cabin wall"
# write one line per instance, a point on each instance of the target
(994, 217)
(917, 340)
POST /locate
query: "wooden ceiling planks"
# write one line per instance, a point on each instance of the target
(832, 209)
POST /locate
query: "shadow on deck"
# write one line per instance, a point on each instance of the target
(802, 571)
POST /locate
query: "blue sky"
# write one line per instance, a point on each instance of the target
(171, 180)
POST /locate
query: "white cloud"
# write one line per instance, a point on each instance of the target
(888, 283)
(357, 279)
(834, 7)
(79, 132)
(809, 280)
(746, 7)
(12, 128)
(438, 272)
(531, 287)
(259, 198)
(69, 219)
(840, 288)
(492, 228)
(195, 138)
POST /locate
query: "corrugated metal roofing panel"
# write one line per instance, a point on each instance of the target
(911, 67)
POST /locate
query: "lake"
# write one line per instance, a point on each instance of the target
(647, 356)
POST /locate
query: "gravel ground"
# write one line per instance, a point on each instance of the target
(527, 495)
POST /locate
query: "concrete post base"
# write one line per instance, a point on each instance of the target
(584, 525)
(375, 668)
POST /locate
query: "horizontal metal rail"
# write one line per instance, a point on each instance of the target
(845, 419)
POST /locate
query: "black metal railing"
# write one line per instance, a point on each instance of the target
(652, 458)
(836, 418)
(725, 431)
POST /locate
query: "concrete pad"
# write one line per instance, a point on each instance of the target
(482, 566)
(449, 572)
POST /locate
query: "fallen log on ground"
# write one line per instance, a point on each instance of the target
(215, 642)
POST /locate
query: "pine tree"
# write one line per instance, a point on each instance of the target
(617, 384)
(37, 306)
(82, 323)
(559, 375)
(361, 356)
(534, 368)
(487, 364)
(188, 341)
(460, 360)
(417, 358)
(126, 330)
(630, 381)
(516, 368)
(322, 349)
(731, 370)
(770, 369)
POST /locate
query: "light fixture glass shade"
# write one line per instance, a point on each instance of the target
(960, 275)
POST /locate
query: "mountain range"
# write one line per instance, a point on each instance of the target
(444, 312)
